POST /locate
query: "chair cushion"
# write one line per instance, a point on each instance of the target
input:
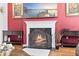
(70, 40)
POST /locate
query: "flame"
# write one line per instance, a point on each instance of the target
(40, 39)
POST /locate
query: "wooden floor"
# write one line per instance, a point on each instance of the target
(65, 51)
(18, 51)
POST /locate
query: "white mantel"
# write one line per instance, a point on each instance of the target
(41, 24)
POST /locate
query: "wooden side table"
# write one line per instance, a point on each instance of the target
(10, 34)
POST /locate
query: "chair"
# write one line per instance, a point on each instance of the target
(58, 39)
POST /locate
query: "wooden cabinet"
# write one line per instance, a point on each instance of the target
(16, 37)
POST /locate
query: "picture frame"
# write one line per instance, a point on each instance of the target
(72, 9)
(17, 10)
(40, 10)
(2, 8)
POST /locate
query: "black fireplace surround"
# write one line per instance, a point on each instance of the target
(40, 38)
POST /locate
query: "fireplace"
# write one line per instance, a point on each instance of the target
(40, 38)
(40, 34)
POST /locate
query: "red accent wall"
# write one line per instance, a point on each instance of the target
(63, 21)
(13, 24)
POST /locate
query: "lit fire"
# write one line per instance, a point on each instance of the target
(40, 39)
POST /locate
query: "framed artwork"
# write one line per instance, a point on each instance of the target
(17, 10)
(2, 8)
(72, 9)
(39, 10)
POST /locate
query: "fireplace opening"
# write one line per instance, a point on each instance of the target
(40, 38)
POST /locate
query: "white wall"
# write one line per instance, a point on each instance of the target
(3, 19)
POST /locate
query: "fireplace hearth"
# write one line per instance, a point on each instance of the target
(40, 38)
